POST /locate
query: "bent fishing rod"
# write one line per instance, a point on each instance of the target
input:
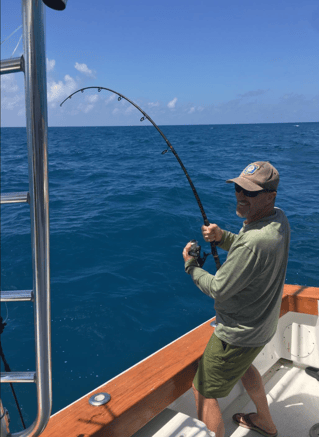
(195, 250)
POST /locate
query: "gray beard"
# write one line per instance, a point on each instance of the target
(240, 215)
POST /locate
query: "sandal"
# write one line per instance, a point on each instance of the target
(249, 424)
(313, 371)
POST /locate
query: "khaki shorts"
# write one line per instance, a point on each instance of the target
(221, 367)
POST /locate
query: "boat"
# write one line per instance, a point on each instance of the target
(154, 397)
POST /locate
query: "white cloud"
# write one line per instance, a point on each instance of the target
(88, 108)
(286, 108)
(129, 109)
(152, 105)
(110, 99)
(11, 96)
(11, 102)
(93, 98)
(50, 64)
(252, 93)
(57, 91)
(172, 103)
(83, 68)
(191, 110)
(82, 107)
(9, 84)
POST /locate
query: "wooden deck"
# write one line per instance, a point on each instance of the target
(146, 389)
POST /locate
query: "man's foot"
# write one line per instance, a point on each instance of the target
(251, 421)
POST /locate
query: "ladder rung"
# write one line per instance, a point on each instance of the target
(17, 377)
(16, 295)
(22, 197)
(13, 65)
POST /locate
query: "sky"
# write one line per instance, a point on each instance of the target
(182, 62)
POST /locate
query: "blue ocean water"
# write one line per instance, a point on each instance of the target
(120, 216)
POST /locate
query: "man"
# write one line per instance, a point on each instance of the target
(248, 291)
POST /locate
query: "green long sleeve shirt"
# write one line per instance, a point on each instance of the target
(248, 287)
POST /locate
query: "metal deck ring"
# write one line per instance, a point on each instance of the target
(99, 399)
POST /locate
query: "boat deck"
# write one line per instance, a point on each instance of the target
(293, 398)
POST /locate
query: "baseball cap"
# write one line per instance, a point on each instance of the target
(259, 175)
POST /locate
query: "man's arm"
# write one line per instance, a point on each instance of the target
(223, 239)
(239, 270)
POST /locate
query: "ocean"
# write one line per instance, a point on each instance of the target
(120, 216)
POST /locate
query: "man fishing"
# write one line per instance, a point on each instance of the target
(247, 290)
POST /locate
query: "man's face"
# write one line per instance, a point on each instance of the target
(251, 208)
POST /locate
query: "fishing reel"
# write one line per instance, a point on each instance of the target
(195, 252)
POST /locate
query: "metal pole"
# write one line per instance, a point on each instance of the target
(13, 65)
(37, 126)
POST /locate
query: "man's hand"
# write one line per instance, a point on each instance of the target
(187, 248)
(212, 233)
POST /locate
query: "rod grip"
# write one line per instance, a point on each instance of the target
(213, 247)
(215, 254)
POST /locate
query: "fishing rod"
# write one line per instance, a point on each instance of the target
(195, 248)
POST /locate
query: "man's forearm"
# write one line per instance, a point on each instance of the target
(227, 240)
(238, 271)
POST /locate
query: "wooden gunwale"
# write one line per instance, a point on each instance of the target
(146, 389)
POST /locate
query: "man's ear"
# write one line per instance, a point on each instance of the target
(272, 196)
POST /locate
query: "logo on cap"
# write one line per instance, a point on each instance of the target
(251, 169)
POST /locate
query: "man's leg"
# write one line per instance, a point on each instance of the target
(208, 411)
(253, 384)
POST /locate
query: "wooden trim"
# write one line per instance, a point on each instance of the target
(143, 391)
(300, 299)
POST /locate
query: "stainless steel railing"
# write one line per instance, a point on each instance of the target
(33, 65)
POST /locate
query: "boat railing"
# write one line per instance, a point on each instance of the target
(33, 64)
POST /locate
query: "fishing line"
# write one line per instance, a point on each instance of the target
(170, 147)
(11, 34)
(7, 369)
(16, 47)
(7, 316)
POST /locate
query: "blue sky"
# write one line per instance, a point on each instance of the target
(183, 62)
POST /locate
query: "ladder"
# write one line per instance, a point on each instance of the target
(32, 63)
